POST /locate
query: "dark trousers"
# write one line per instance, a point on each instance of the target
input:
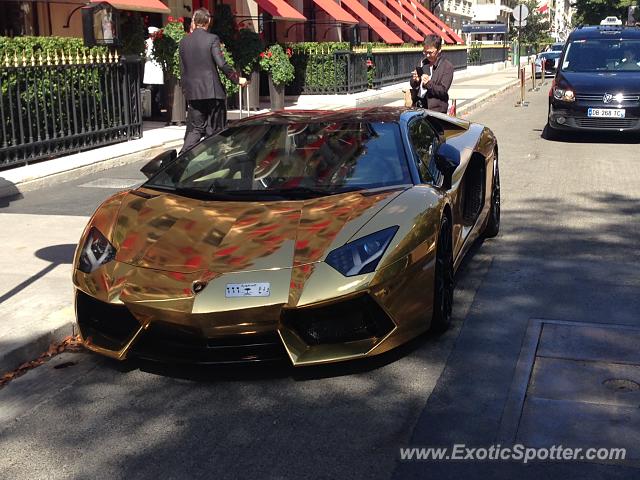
(204, 118)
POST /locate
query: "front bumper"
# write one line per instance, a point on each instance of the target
(345, 329)
(573, 117)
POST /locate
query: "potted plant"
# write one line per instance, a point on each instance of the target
(246, 49)
(165, 52)
(275, 62)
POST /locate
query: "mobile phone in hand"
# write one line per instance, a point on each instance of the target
(419, 71)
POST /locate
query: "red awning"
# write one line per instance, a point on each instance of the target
(386, 11)
(452, 34)
(336, 12)
(281, 10)
(408, 15)
(154, 6)
(369, 18)
(435, 29)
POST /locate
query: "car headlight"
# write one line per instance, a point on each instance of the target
(96, 251)
(564, 95)
(362, 255)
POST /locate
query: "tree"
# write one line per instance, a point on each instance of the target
(591, 12)
(536, 32)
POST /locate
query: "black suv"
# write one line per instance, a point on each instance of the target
(597, 84)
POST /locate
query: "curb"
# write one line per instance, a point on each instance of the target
(75, 173)
(37, 343)
(467, 108)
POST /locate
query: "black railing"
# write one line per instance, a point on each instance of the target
(457, 57)
(485, 55)
(328, 73)
(394, 67)
(63, 105)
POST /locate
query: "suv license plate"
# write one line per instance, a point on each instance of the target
(606, 112)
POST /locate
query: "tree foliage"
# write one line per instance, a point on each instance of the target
(536, 32)
(591, 12)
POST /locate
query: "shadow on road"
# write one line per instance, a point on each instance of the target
(56, 254)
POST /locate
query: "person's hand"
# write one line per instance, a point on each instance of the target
(425, 79)
(242, 81)
(414, 76)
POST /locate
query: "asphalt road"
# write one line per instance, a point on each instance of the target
(568, 251)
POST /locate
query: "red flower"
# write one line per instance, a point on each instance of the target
(269, 54)
(181, 19)
(261, 54)
(369, 63)
(170, 18)
(289, 52)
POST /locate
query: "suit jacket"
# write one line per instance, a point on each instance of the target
(437, 95)
(200, 59)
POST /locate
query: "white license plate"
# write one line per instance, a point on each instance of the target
(247, 290)
(606, 112)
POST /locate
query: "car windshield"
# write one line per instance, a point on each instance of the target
(550, 55)
(271, 160)
(602, 55)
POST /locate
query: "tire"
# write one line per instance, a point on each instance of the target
(443, 282)
(550, 133)
(493, 223)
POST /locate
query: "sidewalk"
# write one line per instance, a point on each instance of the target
(35, 271)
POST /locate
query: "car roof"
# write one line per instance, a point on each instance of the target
(604, 31)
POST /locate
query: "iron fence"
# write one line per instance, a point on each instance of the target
(457, 57)
(328, 73)
(484, 55)
(55, 106)
(394, 67)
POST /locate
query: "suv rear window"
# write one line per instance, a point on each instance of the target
(602, 55)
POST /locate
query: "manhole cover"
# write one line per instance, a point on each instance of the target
(621, 385)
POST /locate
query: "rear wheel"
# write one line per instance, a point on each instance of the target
(493, 223)
(443, 284)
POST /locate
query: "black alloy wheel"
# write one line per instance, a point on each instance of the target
(493, 223)
(444, 282)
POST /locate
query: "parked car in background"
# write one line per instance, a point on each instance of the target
(547, 63)
(597, 85)
(556, 47)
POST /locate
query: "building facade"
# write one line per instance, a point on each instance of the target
(387, 21)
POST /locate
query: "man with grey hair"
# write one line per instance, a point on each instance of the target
(200, 59)
(431, 80)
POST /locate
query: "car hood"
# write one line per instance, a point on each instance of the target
(173, 233)
(601, 82)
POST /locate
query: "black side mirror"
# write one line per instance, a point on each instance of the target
(151, 168)
(447, 160)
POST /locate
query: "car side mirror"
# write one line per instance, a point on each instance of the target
(447, 160)
(153, 166)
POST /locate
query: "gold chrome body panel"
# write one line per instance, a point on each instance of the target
(166, 243)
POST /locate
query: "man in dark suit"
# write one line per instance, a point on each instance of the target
(431, 80)
(200, 59)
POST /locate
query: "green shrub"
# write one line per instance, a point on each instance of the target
(316, 67)
(133, 34)
(37, 46)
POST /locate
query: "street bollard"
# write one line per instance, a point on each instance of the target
(522, 74)
(533, 76)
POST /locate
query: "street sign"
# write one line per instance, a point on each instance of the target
(520, 12)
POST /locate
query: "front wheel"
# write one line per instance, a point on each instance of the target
(444, 283)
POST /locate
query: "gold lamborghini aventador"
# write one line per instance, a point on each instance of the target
(314, 236)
